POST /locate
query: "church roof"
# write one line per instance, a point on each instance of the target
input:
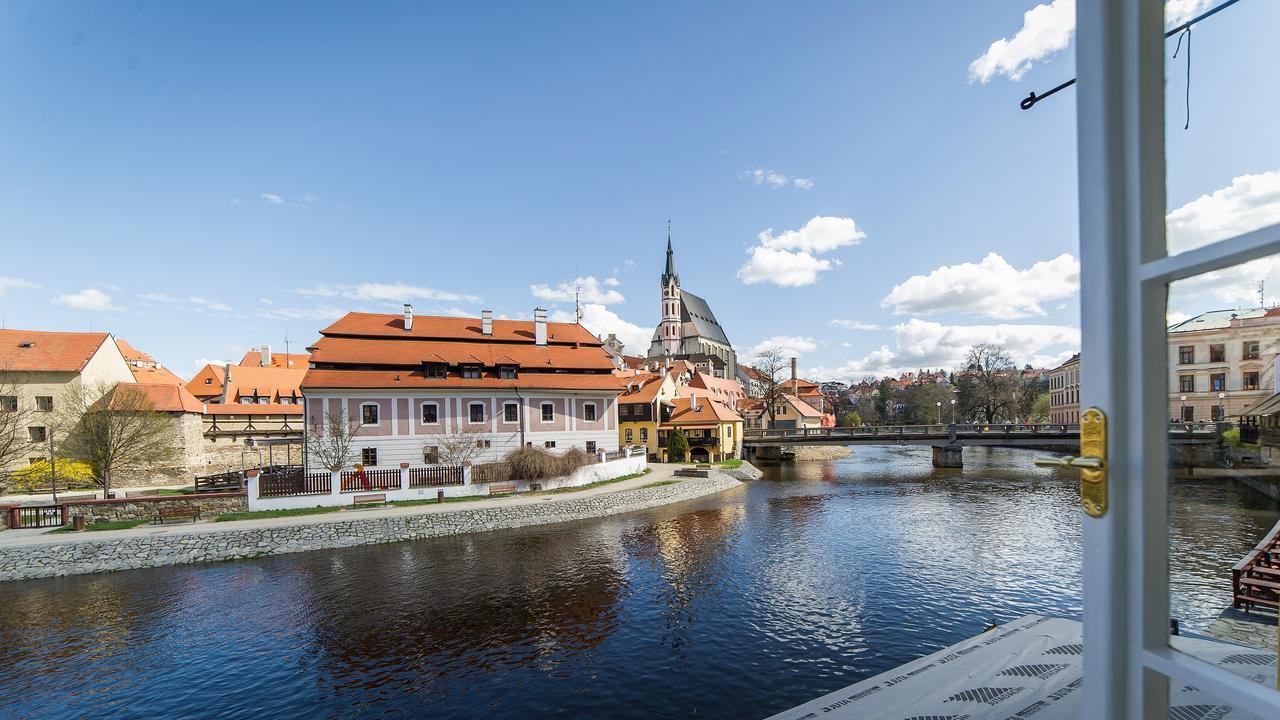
(696, 310)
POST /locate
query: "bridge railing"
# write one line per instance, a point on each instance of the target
(1202, 429)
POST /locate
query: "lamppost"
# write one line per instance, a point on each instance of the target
(953, 411)
(1222, 408)
(1182, 410)
(939, 404)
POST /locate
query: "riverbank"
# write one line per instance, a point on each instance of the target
(821, 452)
(27, 556)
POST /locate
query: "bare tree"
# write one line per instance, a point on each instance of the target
(770, 365)
(15, 443)
(464, 443)
(113, 428)
(330, 439)
(988, 384)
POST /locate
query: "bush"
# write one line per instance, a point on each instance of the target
(574, 458)
(677, 446)
(529, 463)
(71, 474)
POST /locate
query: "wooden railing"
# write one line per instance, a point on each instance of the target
(491, 472)
(435, 476)
(283, 483)
(220, 482)
(1255, 580)
(373, 480)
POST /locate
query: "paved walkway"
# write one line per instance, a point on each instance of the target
(86, 493)
(41, 536)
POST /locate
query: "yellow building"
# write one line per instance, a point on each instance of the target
(713, 429)
(646, 402)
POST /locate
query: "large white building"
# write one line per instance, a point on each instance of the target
(411, 386)
(689, 330)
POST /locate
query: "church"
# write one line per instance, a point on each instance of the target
(689, 330)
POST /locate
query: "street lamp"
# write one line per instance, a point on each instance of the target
(1222, 408)
(953, 411)
(939, 404)
(1182, 410)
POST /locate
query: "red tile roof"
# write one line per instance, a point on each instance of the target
(397, 352)
(649, 386)
(375, 379)
(708, 411)
(295, 361)
(32, 350)
(269, 382)
(252, 409)
(155, 375)
(455, 328)
(132, 354)
(162, 396)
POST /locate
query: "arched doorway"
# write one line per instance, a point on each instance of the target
(699, 455)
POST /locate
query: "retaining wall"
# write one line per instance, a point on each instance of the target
(136, 508)
(208, 543)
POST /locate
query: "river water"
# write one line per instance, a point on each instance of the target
(733, 606)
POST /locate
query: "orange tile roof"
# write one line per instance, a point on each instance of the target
(33, 350)
(802, 407)
(455, 328)
(155, 375)
(709, 410)
(649, 386)
(404, 353)
(132, 354)
(392, 379)
(252, 409)
(722, 389)
(295, 361)
(164, 397)
(269, 382)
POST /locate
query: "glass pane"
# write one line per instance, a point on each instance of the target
(1223, 156)
(1224, 471)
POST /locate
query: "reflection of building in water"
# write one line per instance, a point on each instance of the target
(1221, 362)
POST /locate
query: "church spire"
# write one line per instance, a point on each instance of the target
(670, 272)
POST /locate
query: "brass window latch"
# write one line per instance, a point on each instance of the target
(1092, 462)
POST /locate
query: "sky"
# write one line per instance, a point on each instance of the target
(850, 182)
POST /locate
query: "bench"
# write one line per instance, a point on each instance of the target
(502, 488)
(692, 472)
(176, 512)
(370, 499)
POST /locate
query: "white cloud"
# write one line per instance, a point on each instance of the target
(320, 313)
(1250, 202)
(854, 324)
(601, 321)
(789, 258)
(787, 345)
(776, 180)
(385, 292)
(12, 283)
(593, 291)
(273, 198)
(924, 344)
(1046, 29)
(159, 297)
(208, 304)
(88, 299)
(992, 288)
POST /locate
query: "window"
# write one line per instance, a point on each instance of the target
(729, 432)
(1186, 355)
(1215, 413)
(37, 433)
(471, 371)
(644, 434)
(1250, 350)
(44, 403)
(1249, 380)
(1187, 383)
(589, 412)
(507, 372)
(1218, 382)
(549, 444)
(591, 446)
(34, 460)
(477, 412)
(434, 370)
(369, 414)
(626, 434)
(548, 412)
(208, 381)
(8, 403)
(484, 443)
(430, 414)
(1188, 413)
(510, 412)
(369, 457)
(431, 455)
(1217, 353)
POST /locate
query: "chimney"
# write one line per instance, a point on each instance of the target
(486, 322)
(408, 317)
(795, 383)
(539, 326)
(226, 382)
(266, 356)
(693, 401)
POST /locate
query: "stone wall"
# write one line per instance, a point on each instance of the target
(210, 504)
(213, 542)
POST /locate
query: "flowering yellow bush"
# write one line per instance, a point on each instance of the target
(36, 475)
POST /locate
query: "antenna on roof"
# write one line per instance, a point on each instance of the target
(577, 303)
(1262, 294)
(286, 345)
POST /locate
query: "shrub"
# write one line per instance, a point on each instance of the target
(529, 463)
(574, 458)
(677, 446)
(71, 474)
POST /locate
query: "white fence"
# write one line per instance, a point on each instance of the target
(317, 494)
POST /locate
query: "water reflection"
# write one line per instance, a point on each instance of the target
(733, 606)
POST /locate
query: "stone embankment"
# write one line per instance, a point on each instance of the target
(822, 452)
(139, 548)
(746, 471)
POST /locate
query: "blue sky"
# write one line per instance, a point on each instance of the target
(199, 179)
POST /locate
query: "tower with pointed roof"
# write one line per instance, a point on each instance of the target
(687, 329)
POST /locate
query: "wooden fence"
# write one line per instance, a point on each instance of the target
(283, 483)
(372, 480)
(435, 476)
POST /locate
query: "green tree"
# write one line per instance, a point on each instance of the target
(850, 419)
(114, 428)
(1039, 409)
(677, 446)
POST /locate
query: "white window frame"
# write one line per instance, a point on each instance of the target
(377, 411)
(1125, 271)
(542, 412)
(473, 405)
(594, 411)
(422, 407)
(510, 404)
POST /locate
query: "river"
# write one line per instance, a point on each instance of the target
(733, 606)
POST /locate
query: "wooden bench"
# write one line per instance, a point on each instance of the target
(692, 472)
(176, 512)
(502, 488)
(370, 499)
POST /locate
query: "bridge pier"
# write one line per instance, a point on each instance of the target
(948, 456)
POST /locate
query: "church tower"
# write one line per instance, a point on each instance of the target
(669, 327)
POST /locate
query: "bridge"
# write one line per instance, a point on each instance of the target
(948, 441)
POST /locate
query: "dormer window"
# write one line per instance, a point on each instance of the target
(471, 371)
(507, 372)
(434, 369)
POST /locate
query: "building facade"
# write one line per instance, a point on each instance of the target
(1221, 363)
(688, 329)
(713, 429)
(1064, 391)
(643, 407)
(412, 388)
